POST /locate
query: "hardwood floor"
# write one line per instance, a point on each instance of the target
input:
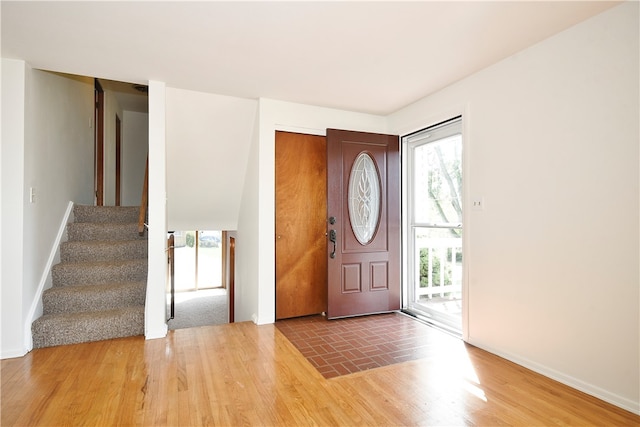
(243, 374)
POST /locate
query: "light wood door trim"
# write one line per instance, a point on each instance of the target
(301, 265)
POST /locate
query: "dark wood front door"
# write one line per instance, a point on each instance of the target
(301, 263)
(363, 226)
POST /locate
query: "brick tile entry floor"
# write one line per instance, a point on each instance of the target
(344, 346)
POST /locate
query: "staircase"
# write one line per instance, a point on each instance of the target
(99, 286)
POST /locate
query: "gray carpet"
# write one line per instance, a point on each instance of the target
(201, 308)
(99, 286)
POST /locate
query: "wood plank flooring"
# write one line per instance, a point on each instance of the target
(243, 374)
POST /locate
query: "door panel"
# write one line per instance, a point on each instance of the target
(301, 263)
(363, 273)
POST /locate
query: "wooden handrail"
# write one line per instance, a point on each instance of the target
(144, 200)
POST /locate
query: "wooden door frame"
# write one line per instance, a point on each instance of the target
(98, 156)
(118, 159)
(232, 278)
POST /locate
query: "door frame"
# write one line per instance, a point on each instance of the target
(231, 291)
(118, 159)
(98, 137)
(463, 111)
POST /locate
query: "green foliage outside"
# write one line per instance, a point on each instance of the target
(444, 184)
(435, 267)
(191, 239)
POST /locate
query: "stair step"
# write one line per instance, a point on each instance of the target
(93, 250)
(83, 298)
(83, 231)
(96, 273)
(85, 213)
(60, 329)
(99, 287)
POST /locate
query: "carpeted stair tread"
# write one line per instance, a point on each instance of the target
(83, 298)
(82, 231)
(72, 328)
(112, 250)
(99, 287)
(98, 272)
(105, 214)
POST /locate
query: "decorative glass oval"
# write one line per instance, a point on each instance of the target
(364, 198)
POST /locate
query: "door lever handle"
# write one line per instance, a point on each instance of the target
(332, 237)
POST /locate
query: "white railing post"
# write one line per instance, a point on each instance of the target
(443, 245)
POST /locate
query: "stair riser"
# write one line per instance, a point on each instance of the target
(99, 287)
(74, 299)
(103, 251)
(74, 274)
(94, 231)
(84, 213)
(49, 331)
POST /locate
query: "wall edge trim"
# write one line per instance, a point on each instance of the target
(37, 300)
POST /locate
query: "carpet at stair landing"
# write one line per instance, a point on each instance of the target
(201, 308)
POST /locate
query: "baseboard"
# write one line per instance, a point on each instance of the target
(12, 354)
(265, 320)
(156, 333)
(590, 389)
(45, 280)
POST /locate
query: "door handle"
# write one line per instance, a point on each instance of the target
(332, 237)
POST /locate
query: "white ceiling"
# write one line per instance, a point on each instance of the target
(373, 57)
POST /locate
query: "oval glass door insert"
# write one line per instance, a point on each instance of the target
(364, 198)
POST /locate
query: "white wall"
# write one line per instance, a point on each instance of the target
(57, 141)
(135, 145)
(155, 308)
(11, 224)
(553, 259)
(278, 115)
(208, 138)
(247, 242)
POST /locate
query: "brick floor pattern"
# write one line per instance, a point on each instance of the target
(344, 346)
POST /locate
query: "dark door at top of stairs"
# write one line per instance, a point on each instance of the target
(118, 160)
(301, 194)
(98, 156)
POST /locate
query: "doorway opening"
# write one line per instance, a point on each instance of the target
(201, 296)
(433, 224)
(198, 258)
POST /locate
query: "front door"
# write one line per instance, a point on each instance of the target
(363, 224)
